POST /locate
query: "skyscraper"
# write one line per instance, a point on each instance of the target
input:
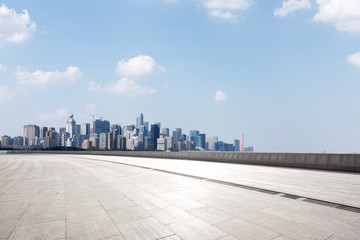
(155, 133)
(165, 132)
(101, 126)
(43, 131)
(85, 129)
(31, 132)
(139, 120)
(237, 145)
(70, 125)
(211, 143)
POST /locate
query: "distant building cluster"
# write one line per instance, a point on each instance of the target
(103, 136)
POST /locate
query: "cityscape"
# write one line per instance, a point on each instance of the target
(105, 136)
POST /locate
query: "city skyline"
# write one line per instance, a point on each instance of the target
(284, 73)
(102, 135)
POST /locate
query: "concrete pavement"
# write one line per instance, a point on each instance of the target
(79, 197)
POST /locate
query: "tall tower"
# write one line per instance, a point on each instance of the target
(139, 120)
(71, 125)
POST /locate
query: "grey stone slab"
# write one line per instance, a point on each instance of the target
(335, 162)
(259, 158)
(210, 215)
(7, 227)
(169, 215)
(322, 161)
(42, 214)
(97, 229)
(251, 214)
(300, 161)
(296, 230)
(48, 231)
(310, 160)
(228, 237)
(348, 162)
(290, 160)
(172, 237)
(146, 229)
(129, 214)
(357, 223)
(242, 229)
(273, 159)
(357, 161)
(195, 229)
(339, 228)
(86, 215)
(117, 203)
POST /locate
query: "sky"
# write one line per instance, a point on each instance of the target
(284, 73)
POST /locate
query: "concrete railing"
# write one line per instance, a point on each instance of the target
(321, 161)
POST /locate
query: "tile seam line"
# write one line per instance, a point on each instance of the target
(324, 203)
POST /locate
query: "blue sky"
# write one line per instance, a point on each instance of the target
(284, 73)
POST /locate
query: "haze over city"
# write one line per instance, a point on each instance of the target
(284, 73)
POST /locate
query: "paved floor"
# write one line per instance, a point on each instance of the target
(73, 197)
(336, 187)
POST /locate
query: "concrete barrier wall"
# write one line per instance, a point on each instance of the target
(321, 161)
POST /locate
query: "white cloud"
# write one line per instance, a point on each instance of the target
(223, 14)
(138, 67)
(130, 71)
(224, 9)
(128, 87)
(41, 79)
(61, 113)
(220, 96)
(228, 4)
(6, 92)
(354, 59)
(290, 6)
(15, 27)
(94, 86)
(344, 14)
(2, 68)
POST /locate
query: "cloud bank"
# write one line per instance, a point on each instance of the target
(15, 27)
(220, 96)
(130, 72)
(291, 6)
(41, 79)
(226, 9)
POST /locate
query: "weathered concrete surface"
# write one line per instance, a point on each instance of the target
(79, 197)
(320, 161)
(335, 187)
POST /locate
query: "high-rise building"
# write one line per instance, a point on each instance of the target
(155, 133)
(85, 129)
(94, 143)
(117, 127)
(101, 126)
(249, 149)
(6, 141)
(211, 141)
(78, 129)
(146, 128)
(71, 125)
(31, 132)
(139, 120)
(202, 140)
(236, 145)
(165, 132)
(103, 141)
(121, 142)
(161, 144)
(64, 137)
(43, 131)
(169, 143)
(176, 138)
